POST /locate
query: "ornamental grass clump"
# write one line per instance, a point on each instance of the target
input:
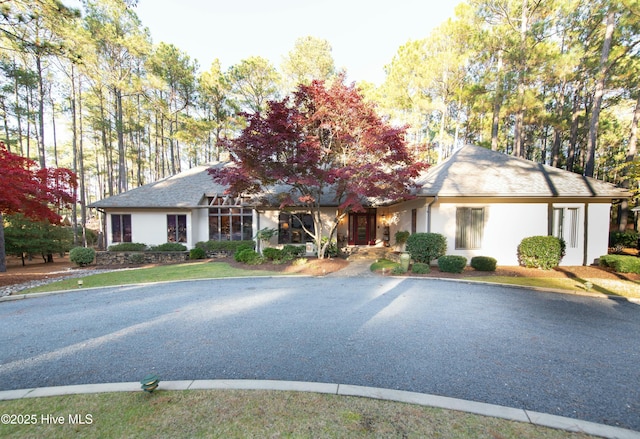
(543, 252)
(452, 263)
(425, 247)
(483, 263)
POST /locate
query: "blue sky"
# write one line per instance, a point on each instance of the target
(364, 35)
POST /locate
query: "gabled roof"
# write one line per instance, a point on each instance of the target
(470, 172)
(473, 171)
(183, 190)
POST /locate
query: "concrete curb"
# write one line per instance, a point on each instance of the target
(531, 288)
(478, 408)
(141, 284)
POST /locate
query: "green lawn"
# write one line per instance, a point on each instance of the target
(616, 287)
(191, 270)
(242, 414)
(623, 288)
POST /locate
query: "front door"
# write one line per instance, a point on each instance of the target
(362, 228)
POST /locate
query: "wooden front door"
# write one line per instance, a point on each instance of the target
(362, 228)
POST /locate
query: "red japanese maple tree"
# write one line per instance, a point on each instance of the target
(323, 144)
(37, 193)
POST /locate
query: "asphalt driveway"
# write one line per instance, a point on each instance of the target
(565, 355)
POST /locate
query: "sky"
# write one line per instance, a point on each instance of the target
(364, 34)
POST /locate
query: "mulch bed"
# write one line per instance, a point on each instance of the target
(37, 270)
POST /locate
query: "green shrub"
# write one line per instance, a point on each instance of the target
(291, 252)
(484, 263)
(398, 270)
(425, 247)
(541, 252)
(452, 263)
(420, 268)
(402, 236)
(82, 256)
(332, 250)
(128, 247)
(169, 247)
(627, 239)
(197, 253)
(272, 254)
(621, 264)
(225, 246)
(247, 256)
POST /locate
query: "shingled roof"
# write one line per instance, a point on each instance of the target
(183, 190)
(474, 171)
(470, 172)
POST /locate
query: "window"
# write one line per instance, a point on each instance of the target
(229, 219)
(120, 228)
(176, 228)
(565, 225)
(414, 221)
(290, 230)
(469, 227)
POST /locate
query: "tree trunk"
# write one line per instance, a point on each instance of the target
(497, 105)
(573, 136)
(623, 212)
(83, 203)
(41, 151)
(599, 93)
(122, 170)
(3, 256)
(16, 91)
(53, 127)
(74, 146)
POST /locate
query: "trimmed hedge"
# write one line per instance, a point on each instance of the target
(169, 247)
(82, 255)
(197, 253)
(541, 252)
(420, 268)
(621, 264)
(483, 263)
(452, 263)
(228, 246)
(425, 247)
(128, 247)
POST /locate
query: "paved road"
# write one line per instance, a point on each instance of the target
(565, 355)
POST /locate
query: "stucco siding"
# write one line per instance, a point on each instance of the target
(150, 227)
(598, 238)
(505, 225)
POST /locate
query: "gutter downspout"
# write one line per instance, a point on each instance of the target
(429, 213)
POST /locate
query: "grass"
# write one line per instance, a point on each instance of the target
(616, 287)
(240, 414)
(384, 264)
(243, 413)
(622, 288)
(191, 270)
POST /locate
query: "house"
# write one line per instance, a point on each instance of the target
(483, 202)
